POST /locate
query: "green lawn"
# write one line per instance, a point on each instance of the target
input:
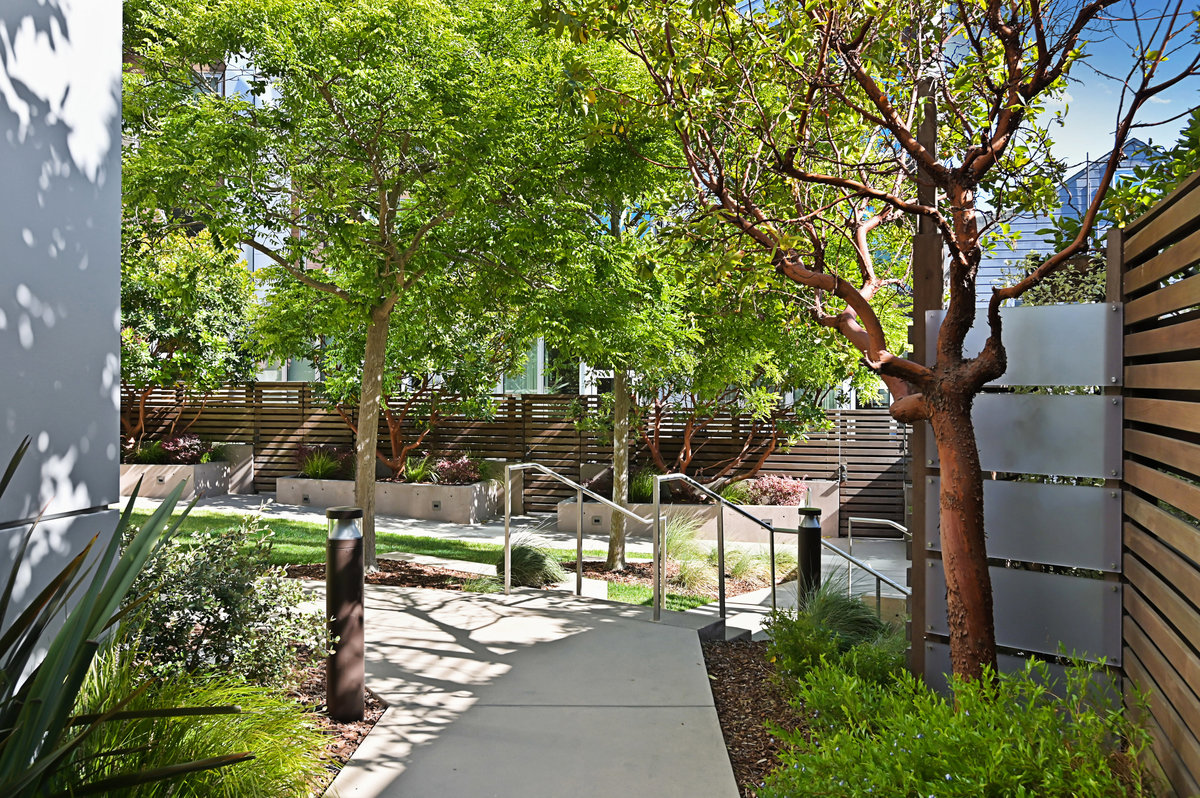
(640, 594)
(298, 542)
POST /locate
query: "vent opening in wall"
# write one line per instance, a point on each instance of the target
(437, 505)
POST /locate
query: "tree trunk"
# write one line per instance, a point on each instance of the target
(964, 555)
(367, 438)
(620, 461)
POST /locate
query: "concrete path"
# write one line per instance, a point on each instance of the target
(534, 694)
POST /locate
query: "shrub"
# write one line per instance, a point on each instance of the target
(287, 751)
(325, 462)
(219, 604)
(420, 469)
(832, 627)
(737, 492)
(777, 489)
(533, 565)
(641, 485)
(1008, 737)
(217, 453)
(184, 449)
(460, 470)
(149, 453)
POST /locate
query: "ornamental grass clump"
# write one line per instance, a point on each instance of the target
(325, 462)
(533, 564)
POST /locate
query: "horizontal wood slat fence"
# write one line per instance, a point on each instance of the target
(278, 417)
(1161, 629)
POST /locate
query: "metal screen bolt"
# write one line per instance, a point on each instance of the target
(345, 668)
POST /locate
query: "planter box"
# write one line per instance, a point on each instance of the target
(597, 518)
(204, 479)
(455, 504)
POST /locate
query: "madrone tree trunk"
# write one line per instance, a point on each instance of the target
(367, 437)
(620, 495)
(964, 555)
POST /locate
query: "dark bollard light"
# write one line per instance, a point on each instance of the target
(808, 550)
(345, 671)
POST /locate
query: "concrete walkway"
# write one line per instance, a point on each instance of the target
(534, 694)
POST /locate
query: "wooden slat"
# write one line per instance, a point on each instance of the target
(1179, 740)
(1162, 340)
(1164, 376)
(1175, 649)
(1177, 572)
(1167, 602)
(1176, 296)
(1178, 415)
(1182, 700)
(1165, 264)
(1175, 492)
(1176, 211)
(1179, 455)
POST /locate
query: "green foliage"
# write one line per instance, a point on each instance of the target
(533, 565)
(737, 492)
(641, 485)
(149, 453)
(287, 749)
(40, 737)
(483, 584)
(320, 464)
(1012, 737)
(218, 604)
(680, 538)
(420, 469)
(830, 626)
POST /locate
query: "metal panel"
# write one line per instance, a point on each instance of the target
(1077, 435)
(1051, 345)
(60, 235)
(1038, 612)
(1073, 525)
(937, 666)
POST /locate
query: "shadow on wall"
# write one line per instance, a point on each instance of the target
(60, 72)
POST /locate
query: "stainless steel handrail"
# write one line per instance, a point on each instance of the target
(580, 492)
(880, 579)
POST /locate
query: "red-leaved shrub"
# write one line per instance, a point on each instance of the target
(460, 470)
(777, 489)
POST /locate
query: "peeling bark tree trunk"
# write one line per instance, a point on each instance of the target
(964, 555)
(620, 495)
(367, 437)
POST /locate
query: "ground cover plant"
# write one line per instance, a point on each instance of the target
(1009, 736)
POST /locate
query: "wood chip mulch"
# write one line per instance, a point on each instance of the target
(344, 738)
(395, 572)
(747, 694)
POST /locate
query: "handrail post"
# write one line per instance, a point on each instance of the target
(721, 558)
(657, 565)
(579, 545)
(771, 538)
(507, 528)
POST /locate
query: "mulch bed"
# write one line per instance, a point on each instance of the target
(747, 695)
(344, 738)
(398, 573)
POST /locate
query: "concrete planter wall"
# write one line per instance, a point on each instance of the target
(597, 518)
(203, 479)
(456, 504)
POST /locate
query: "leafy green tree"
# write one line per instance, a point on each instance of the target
(185, 301)
(440, 361)
(378, 145)
(803, 124)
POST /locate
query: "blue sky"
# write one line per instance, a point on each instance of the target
(1092, 100)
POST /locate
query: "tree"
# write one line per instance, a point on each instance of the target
(185, 302)
(439, 361)
(376, 146)
(800, 123)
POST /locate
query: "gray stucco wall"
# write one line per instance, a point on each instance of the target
(60, 147)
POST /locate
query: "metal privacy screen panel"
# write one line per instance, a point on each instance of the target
(1070, 525)
(1051, 345)
(1038, 612)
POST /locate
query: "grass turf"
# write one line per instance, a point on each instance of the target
(302, 542)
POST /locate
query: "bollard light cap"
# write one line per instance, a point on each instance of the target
(809, 510)
(343, 513)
